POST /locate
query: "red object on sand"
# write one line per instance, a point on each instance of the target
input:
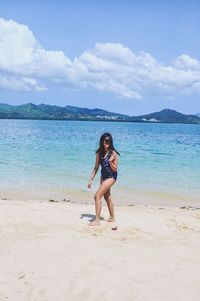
(114, 228)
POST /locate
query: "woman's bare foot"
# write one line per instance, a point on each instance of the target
(110, 219)
(94, 223)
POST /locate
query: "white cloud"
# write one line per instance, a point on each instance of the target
(110, 67)
(20, 84)
(184, 61)
(21, 54)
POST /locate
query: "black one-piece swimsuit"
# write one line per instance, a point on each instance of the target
(106, 170)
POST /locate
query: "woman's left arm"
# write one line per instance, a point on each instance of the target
(113, 161)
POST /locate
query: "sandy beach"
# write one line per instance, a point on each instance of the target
(48, 252)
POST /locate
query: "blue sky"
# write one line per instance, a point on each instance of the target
(132, 57)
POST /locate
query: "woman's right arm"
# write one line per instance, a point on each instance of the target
(96, 167)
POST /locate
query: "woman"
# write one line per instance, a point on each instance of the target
(106, 156)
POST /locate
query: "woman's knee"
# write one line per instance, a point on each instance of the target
(106, 195)
(107, 198)
(97, 197)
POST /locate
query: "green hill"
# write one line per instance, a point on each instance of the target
(44, 111)
(168, 116)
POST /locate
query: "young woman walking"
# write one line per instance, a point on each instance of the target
(106, 156)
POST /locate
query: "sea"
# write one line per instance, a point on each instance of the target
(54, 160)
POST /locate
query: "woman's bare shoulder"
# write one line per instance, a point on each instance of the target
(113, 152)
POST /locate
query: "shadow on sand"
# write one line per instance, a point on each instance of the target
(91, 216)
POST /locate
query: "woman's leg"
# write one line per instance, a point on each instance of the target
(105, 186)
(107, 197)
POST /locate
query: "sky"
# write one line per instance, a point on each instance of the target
(131, 57)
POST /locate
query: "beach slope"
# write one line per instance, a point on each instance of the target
(48, 252)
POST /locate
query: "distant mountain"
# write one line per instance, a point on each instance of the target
(98, 113)
(32, 111)
(43, 111)
(197, 114)
(168, 116)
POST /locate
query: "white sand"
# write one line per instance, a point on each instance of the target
(48, 252)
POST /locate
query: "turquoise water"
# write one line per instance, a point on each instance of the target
(58, 156)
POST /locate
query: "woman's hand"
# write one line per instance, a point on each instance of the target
(112, 158)
(96, 167)
(113, 161)
(89, 184)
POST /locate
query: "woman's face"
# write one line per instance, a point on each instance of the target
(107, 142)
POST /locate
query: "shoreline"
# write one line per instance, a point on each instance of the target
(69, 202)
(121, 198)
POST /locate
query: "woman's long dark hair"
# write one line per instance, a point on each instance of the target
(101, 149)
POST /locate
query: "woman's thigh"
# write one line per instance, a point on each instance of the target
(107, 194)
(105, 187)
